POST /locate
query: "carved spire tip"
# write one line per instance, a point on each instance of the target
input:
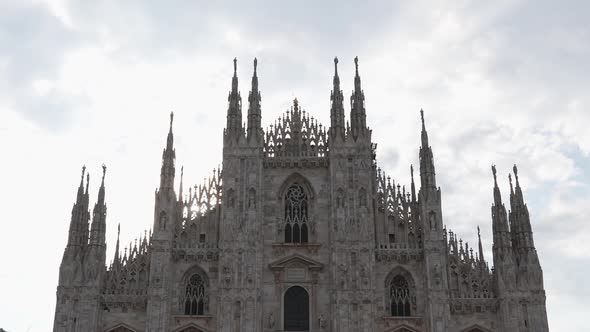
(494, 173)
(356, 65)
(422, 117)
(171, 120)
(235, 66)
(104, 171)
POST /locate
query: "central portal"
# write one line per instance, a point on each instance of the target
(296, 309)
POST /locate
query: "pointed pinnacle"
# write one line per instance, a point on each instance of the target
(494, 173)
(255, 65)
(87, 182)
(356, 65)
(235, 66)
(104, 171)
(82, 178)
(171, 120)
(335, 66)
(422, 116)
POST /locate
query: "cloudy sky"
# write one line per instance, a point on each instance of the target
(89, 82)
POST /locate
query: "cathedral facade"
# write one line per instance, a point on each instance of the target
(300, 231)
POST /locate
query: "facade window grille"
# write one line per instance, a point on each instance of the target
(296, 215)
(195, 296)
(400, 296)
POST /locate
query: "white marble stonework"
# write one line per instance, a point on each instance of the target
(301, 231)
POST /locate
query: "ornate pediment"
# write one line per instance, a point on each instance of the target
(403, 328)
(476, 328)
(296, 260)
(296, 136)
(191, 327)
(121, 327)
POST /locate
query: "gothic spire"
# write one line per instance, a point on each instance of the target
(234, 110)
(180, 198)
(168, 158)
(358, 116)
(424, 133)
(480, 247)
(497, 196)
(427, 172)
(337, 109)
(98, 226)
(519, 217)
(519, 198)
(101, 189)
(116, 260)
(500, 228)
(80, 196)
(413, 186)
(254, 112)
(78, 230)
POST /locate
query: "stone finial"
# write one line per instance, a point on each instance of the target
(494, 173)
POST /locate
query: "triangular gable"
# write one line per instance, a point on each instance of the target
(402, 328)
(296, 259)
(476, 328)
(191, 327)
(121, 327)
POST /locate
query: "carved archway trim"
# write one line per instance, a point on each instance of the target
(400, 270)
(280, 264)
(402, 327)
(476, 326)
(193, 325)
(118, 325)
(301, 180)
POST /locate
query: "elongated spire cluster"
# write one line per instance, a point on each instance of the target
(234, 110)
(254, 112)
(337, 109)
(358, 116)
(168, 159)
(99, 215)
(427, 172)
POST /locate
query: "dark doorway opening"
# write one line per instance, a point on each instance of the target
(296, 306)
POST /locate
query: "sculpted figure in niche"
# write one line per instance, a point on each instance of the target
(163, 220)
(340, 198)
(432, 219)
(252, 199)
(436, 273)
(322, 321)
(271, 321)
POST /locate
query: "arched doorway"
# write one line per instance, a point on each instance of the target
(296, 309)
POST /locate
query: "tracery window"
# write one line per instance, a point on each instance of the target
(195, 296)
(296, 215)
(400, 297)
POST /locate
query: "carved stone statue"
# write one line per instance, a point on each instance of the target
(322, 321)
(271, 320)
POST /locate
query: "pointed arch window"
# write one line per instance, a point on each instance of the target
(399, 297)
(296, 215)
(195, 296)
